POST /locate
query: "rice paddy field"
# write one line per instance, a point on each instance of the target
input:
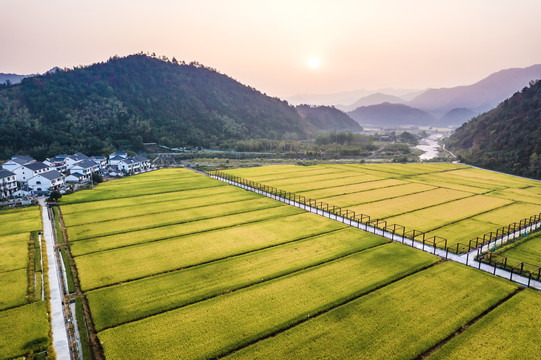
(526, 250)
(451, 201)
(197, 269)
(24, 325)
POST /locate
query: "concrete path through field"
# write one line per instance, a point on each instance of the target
(58, 321)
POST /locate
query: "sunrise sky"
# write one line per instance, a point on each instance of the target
(283, 47)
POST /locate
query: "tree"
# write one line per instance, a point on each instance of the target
(97, 178)
(54, 196)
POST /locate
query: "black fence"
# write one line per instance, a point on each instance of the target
(396, 232)
(530, 271)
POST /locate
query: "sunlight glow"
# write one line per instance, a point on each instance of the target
(313, 63)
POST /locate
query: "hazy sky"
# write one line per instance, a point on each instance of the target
(283, 47)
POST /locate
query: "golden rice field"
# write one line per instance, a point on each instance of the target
(201, 269)
(24, 325)
(452, 201)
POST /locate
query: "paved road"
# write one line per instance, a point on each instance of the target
(58, 322)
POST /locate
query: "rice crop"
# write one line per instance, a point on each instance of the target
(399, 321)
(216, 326)
(138, 261)
(511, 331)
(130, 301)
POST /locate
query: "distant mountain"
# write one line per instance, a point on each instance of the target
(12, 78)
(391, 115)
(328, 118)
(348, 97)
(373, 99)
(127, 101)
(507, 138)
(455, 117)
(479, 97)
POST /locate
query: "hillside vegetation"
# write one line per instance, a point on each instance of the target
(328, 118)
(125, 102)
(507, 138)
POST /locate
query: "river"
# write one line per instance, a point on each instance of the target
(430, 146)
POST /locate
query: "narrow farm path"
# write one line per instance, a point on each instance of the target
(58, 322)
(466, 259)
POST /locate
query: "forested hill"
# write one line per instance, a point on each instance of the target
(507, 138)
(125, 102)
(328, 118)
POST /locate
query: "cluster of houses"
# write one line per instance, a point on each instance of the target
(24, 176)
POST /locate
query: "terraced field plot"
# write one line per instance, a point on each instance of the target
(393, 313)
(202, 280)
(490, 337)
(24, 325)
(451, 201)
(527, 250)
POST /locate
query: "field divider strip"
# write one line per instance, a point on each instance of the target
(389, 198)
(341, 303)
(469, 217)
(184, 235)
(11, 270)
(466, 326)
(135, 196)
(258, 282)
(428, 207)
(355, 192)
(159, 212)
(136, 205)
(211, 261)
(271, 206)
(443, 253)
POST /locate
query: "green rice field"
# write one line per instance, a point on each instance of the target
(511, 331)
(201, 269)
(24, 326)
(527, 250)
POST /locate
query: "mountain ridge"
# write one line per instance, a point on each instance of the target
(507, 138)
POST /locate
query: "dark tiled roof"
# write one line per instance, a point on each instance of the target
(36, 166)
(51, 175)
(86, 164)
(22, 159)
(5, 173)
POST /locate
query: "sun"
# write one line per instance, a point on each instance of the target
(313, 63)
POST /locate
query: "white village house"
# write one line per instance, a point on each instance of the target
(134, 164)
(8, 183)
(28, 171)
(85, 168)
(71, 160)
(47, 181)
(16, 162)
(57, 163)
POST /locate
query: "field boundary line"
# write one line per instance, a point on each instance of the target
(134, 196)
(258, 282)
(357, 192)
(135, 205)
(391, 198)
(181, 236)
(284, 197)
(171, 224)
(11, 270)
(158, 212)
(340, 303)
(481, 213)
(211, 261)
(466, 326)
(428, 207)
